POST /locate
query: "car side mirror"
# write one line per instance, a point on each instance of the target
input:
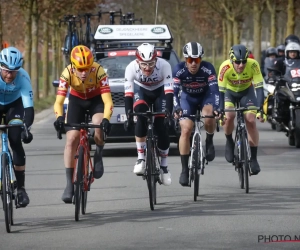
(55, 83)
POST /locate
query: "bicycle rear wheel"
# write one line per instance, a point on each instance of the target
(238, 160)
(78, 182)
(196, 165)
(246, 163)
(7, 192)
(150, 167)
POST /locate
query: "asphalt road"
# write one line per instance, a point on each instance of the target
(118, 213)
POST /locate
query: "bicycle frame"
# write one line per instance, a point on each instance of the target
(5, 150)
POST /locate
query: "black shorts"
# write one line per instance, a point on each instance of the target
(14, 110)
(77, 108)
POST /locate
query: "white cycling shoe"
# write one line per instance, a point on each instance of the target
(139, 167)
(165, 177)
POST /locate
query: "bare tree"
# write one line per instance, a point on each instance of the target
(290, 25)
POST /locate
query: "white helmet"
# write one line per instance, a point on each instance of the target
(146, 52)
(292, 46)
(193, 50)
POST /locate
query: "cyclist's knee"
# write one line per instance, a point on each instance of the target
(98, 137)
(72, 138)
(250, 119)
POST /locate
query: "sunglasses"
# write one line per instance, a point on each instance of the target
(145, 65)
(191, 60)
(240, 62)
(7, 71)
(83, 70)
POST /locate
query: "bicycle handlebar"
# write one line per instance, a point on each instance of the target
(148, 114)
(241, 109)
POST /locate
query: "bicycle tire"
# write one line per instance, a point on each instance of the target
(6, 192)
(246, 163)
(78, 182)
(85, 192)
(196, 164)
(150, 166)
(239, 160)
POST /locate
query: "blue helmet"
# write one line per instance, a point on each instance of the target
(11, 58)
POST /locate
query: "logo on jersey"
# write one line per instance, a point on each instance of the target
(295, 73)
(212, 78)
(235, 82)
(255, 68)
(30, 94)
(206, 70)
(194, 85)
(158, 30)
(105, 30)
(62, 84)
(176, 80)
(222, 73)
(104, 82)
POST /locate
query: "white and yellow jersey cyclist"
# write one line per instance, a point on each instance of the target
(89, 91)
(239, 78)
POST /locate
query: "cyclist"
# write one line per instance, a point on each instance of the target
(16, 102)
(199, 85)
(89, 90)
(238, 79)
(148, 80)
(280, 50)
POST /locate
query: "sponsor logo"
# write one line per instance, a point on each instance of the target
(158, 30)
(168, 77)
(176, 80)
(295, 73)
(127, 87)
(212, 77)
(112, 53)
(179, 72)
(195, 85)
(30, 94)
(255, 68)
(101, 76)
(206, 70)
(223, 70)
(62, 84)
(104, 82)
(105, 30)
(91, 89)
(235, 82)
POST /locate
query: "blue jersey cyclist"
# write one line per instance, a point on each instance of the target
(198, 81)
(16, 102)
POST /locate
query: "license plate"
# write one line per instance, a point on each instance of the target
(123, 118)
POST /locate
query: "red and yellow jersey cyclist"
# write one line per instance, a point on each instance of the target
(89, 90)
(239, 78)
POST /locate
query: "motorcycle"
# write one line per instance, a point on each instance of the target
(285, 106)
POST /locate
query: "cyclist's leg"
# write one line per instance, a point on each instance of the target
(230, 101)
(249, 100)
(96, 112)
(75, 114)
(141, 104)
(13, 110)
(186, 122)
(163, 140)
(210, 125)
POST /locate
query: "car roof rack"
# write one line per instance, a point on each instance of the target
(121, 36)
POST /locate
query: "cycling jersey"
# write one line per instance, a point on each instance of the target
(95, 84)
(196, 85)
(19, 87)
(230, 79)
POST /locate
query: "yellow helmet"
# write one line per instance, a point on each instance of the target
(81, 57)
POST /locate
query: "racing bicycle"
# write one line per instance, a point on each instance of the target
(242, 153)
(83, 168)
(7, 174)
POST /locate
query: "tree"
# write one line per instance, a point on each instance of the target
(290, 25)
(258, 7)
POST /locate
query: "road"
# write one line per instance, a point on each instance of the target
(118, 213)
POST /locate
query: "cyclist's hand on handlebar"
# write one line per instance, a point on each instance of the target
(26, 137)
(105, 125)
(129, 123)
(59, 123)
(218, 113)
(261, 116)
(178, 112)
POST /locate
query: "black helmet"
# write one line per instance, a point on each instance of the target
(271, 51)
(292, 38)
(238, 52)
(280, 48)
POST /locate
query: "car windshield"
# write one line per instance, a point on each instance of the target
(115, 66)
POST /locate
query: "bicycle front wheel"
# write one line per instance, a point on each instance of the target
(239, 160)
(78, 182)
(84, 194)
(7, 192)
(196, 161)
(150, 168)
(246, 168)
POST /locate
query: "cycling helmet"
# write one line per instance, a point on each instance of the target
(193, 50)
(280, 48)
(292, 46)
(291, 38)
(271, 51)
(11, 58)
(146, 52)
(238, 52)
(81, 57)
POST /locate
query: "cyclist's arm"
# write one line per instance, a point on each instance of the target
(222, 82)
(102, 78)
(61, 92)
(176, 82)
(213, 86)
(258, 83)
(129, 88)
(168, 86)
(27, 99)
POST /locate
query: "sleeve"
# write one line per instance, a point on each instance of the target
(102, 79)
(168, 86)
(129, 87)
(222, 83)
(177, 83)
(257, 76)
(62, 91)
(213, 87)
(26, 91)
